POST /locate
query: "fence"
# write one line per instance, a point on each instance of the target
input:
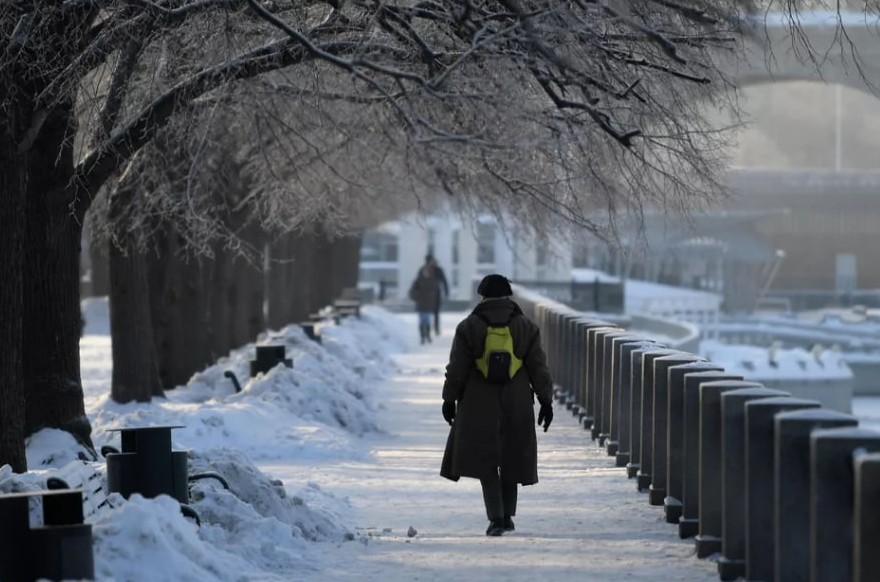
(776, 487)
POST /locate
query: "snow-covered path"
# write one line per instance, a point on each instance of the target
(583, 521)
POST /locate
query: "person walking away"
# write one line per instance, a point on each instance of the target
(497, 366)
(423, 292)
(442, 289)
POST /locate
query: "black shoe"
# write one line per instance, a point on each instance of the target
(496, 528)
(508, 523)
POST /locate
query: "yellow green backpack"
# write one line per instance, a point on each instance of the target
(498, 363)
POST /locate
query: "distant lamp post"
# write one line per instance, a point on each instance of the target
(838, 129)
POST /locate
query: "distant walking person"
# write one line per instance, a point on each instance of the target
(423, 292)
(496, 368)
(442, 284)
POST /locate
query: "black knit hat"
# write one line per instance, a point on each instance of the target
(494, 286)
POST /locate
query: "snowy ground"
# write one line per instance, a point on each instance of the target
(333, 468)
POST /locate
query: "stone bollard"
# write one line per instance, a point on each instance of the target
(637, 362)
(623, 412)
(660, 413)
(568, 359)
(579, 346)
(603, 371)
(611, 388)
(832, 499)
(759, 504)
(672, 503)
(711, 499)
(588, 409)
(791, 488)
(549, 334)
(594, 377)
(621, 397)
(646, 417)
(866, 532)
(689, 523)
(732, 563)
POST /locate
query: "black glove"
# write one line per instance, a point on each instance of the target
(545, 416)
(449, 411)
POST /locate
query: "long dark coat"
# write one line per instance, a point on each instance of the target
(424, 290)
(495, 424)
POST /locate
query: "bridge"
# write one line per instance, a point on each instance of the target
(821, 46)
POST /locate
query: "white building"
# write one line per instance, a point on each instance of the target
(392, 254)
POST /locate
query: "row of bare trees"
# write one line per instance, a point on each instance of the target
(172, 312)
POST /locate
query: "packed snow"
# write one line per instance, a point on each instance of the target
(333, 473)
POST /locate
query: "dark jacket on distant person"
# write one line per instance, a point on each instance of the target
(495, 423)
(424, 290)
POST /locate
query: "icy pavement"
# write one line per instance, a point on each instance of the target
(584, 520)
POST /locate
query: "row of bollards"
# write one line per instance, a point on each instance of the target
(777, 488)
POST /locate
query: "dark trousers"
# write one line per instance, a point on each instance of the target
(499, 495)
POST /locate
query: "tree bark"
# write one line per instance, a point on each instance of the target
(349, 261)
(135, 370)
(179, 313)
(12, 400)
(100, 264)
(218, 288)
(320, 281)
(299, 289)
(280, 292)
(51, 315)
(246, 293)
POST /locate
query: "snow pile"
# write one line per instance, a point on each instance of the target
(313, 409)
(257, 528)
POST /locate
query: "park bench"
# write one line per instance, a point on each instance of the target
(347, 307)
(86, 477)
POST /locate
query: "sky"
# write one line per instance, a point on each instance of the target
(333, 469)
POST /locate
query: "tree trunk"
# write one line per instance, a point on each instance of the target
(135, 371)
(100, 264)
(51, 315)
(218, 288)
(280, 292)
(321, 280)
(12, 399)
(246, 292)
(350, 267)
(179, 313)
(299, 292)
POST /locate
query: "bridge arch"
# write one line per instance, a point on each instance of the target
(846, 47)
